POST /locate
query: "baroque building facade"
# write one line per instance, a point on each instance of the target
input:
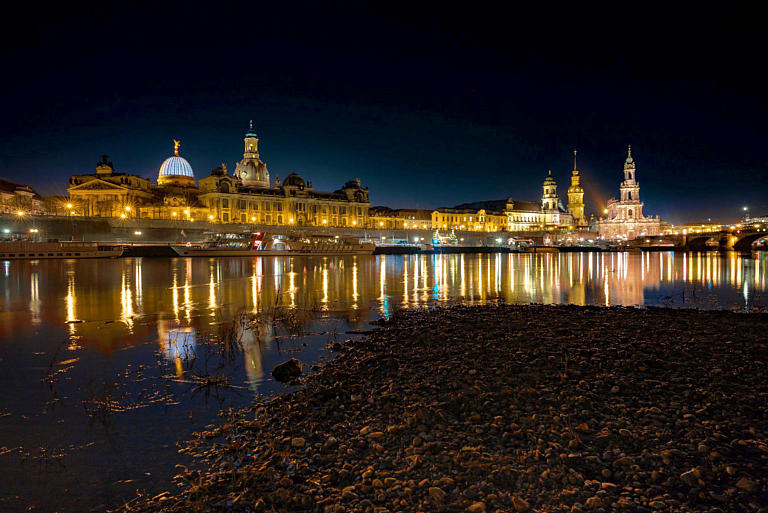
(246, 196)
(625, 217)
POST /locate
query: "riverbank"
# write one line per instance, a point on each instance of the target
(506, 408)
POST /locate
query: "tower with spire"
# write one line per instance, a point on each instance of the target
(625, 217)
(251, 171)
(576, 196)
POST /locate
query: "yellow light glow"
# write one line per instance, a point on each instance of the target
(69, 205)
(122, 216)
(253, 218)
(381, 223)
(290, 220)
(186, 212)
(325, 221)
(354, 223)
(605, 211)
(210, 218)
(173, 214)
(127, 208)
(19, 213)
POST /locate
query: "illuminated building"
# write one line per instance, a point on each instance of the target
(576, 196)
(106, 193)
(15, 198)
(625, 217)
(244, 197)
(471, 220)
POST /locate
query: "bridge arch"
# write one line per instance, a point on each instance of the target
(700, 243)
(745, 243)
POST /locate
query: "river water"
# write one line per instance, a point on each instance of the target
(106, 364)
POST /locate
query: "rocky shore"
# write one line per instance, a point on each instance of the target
(506, 409)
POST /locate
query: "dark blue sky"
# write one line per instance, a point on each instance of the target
(428, 107)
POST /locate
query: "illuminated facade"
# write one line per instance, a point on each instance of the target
(576, 196)
(625, 217)
(470, 220)
(244, 197)
(16, 198)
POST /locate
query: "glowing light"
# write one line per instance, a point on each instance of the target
(69, 206)
(137, 232)
(381, 223)
(173, 214)
(291, 220)
(210, 218)
(127, 208)
(20, 213)
(253, 218)
(353, 222)
(186, 212)
(325, 221)
(122, 216)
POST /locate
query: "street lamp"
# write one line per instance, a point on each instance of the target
(20, 213)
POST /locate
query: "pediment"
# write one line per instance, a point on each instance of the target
(97, 185)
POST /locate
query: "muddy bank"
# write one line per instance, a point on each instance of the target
(507, 408)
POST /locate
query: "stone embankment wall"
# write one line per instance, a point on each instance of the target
(164, 230)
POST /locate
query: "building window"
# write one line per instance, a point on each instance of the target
(225, 217)
(225, 203)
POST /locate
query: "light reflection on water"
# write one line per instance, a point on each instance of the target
(138, 331)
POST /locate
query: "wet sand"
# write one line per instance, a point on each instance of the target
(506, 408)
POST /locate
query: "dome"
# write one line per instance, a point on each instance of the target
(293, 180)
(549, 180)
(252, 172)
(176, 166)
(176, 170)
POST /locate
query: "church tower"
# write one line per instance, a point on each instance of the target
(251, 171)
(549, 198)
(576, 196)
(630, 188)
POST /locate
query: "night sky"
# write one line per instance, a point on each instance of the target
(428, 106)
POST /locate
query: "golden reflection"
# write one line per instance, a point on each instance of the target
(126, 301)
(34, 298)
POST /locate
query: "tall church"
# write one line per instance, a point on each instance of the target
(625, 217)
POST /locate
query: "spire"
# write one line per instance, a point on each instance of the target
(629, 154)
(176, 145)
(251, 132)
(574, 159)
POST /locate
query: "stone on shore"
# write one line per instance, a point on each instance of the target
(287, 371)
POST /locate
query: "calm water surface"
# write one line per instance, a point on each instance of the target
(103, 363)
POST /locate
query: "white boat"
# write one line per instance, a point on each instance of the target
(259, 244)
(26, 250)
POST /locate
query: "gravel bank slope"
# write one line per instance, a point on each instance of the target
(508, 408)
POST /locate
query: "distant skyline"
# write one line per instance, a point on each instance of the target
(427, 107)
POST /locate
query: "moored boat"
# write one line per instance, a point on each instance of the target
(259, 244)
(27, 250)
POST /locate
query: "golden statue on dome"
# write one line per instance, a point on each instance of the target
(176, 145)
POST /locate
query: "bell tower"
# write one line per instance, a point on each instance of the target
(549, 198)
(251, 143)
(576, 195)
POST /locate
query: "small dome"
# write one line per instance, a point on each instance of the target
(549, 179)
(293, 180)
(176, 170)
(176, 166)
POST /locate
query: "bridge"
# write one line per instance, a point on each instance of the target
(744, 240)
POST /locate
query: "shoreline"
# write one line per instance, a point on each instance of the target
(506, 408)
